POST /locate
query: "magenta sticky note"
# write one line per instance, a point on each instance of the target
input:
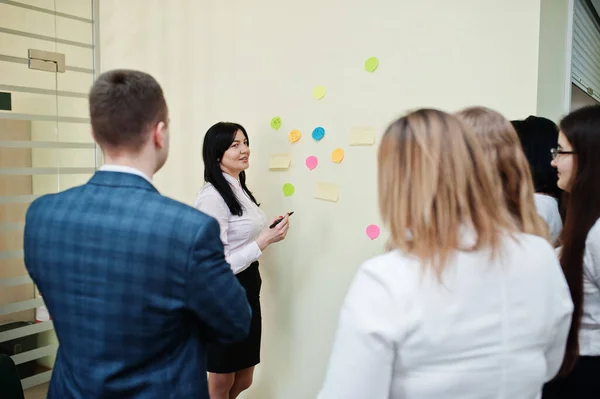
(312, 162)
(373, 231)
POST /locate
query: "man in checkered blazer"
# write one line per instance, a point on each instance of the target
(136, 283)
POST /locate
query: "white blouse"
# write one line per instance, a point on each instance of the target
(547, 208)
(491, 329)
(238, 233)
(589, 334)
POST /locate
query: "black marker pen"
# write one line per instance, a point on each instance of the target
(275, 223)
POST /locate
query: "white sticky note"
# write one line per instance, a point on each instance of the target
(327, 192)
(362, 136)
(280, 161)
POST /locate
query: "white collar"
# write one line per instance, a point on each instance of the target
(124, 169)
(232, 180)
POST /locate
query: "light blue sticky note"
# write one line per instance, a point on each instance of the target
(318, 133)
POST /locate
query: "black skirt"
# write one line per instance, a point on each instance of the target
(582, 383)
(229, 358)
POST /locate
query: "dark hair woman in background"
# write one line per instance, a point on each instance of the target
(577, 160)
(538, 136)
(245, 235)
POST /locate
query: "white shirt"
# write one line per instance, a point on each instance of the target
(491, 330)
(124, 169)
(589, 334)
(547, 208)
(238, 233)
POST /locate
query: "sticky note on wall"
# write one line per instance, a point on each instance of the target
(319, 92)
(280, 161)
(371, 64)
(327, 192)
(362, 136)
(294, 136)
(337, 155)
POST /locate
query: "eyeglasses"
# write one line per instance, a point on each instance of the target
(555, 152)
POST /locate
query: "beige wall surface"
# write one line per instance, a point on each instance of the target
(248, 61)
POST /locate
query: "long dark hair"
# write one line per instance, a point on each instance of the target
(538, 135)
(582, 129)
(217, 140)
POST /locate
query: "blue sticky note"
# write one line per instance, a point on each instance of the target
(318, 133)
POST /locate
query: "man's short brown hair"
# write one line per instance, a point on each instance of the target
(124, 104)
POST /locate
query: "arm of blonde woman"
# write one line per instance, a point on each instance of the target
(362, 359)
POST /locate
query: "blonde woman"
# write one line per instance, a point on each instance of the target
(466, 306)
(504, 153)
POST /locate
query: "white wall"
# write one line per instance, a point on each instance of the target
(249, 61)
(167, 42)
(554, 59)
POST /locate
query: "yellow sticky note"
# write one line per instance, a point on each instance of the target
(337, 155)
(327, 192)
(280, 161)
(362, 136)
(294, 136)
(319, 92)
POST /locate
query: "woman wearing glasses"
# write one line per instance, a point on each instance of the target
(577, 160)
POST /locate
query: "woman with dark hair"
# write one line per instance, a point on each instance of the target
(226, 197)
(577, 160)
(538, 136)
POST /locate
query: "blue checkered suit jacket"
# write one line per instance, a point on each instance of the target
(136, 283)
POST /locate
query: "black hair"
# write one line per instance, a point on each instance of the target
(217, 140)
(538, 136)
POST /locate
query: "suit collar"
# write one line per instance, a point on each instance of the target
(121, 179)
(124, 169)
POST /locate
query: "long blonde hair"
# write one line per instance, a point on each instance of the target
(504, 152)
(433, 181)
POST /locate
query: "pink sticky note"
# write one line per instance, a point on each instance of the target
(312, 162)
(373, 231)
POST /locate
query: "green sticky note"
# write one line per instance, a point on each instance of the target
(276, 123)
(371, 64)
(5, 101)
(288, 189)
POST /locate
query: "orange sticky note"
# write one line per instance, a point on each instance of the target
(294, 136)
(337, 155)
